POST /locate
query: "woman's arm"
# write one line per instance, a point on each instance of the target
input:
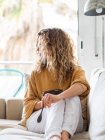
(31, 98)
(75, 90)
(78, 86)
(38, 105)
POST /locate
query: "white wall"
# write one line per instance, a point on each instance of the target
(92, 40)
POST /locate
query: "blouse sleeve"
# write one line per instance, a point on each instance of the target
(80, 77)
(30, 99)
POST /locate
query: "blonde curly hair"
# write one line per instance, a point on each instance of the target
(55, 49)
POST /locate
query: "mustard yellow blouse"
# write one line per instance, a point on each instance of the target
(43, 81)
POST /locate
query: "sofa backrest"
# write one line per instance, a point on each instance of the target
(2, 109)
(14, 109)
(11, 109)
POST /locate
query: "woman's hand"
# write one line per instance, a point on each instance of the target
(39, 105)
(48, 99)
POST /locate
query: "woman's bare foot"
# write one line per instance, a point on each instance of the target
(65, 135)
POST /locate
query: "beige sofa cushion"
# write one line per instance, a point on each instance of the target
(14, 109)
(2, 109)
(8, 123)
(20, 134)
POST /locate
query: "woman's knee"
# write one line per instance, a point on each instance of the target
(59, 103)
(73, 103)
(75, 99)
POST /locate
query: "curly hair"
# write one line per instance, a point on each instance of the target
(57, 53)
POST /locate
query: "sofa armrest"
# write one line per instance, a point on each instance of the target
(14, 109)
(2, 109)
(97, 107)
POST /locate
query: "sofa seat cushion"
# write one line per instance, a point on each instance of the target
(81, 136)
(20, 134)
(19, 137)
(8, 123)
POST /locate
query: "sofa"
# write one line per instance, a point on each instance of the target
(11, 114)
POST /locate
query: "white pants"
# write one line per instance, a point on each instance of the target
(63, 115)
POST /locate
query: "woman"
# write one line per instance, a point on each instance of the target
(56, 68)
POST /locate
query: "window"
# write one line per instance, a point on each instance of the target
(21, 20)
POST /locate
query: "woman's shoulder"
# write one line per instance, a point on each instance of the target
(34, 73)
(78, 68)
